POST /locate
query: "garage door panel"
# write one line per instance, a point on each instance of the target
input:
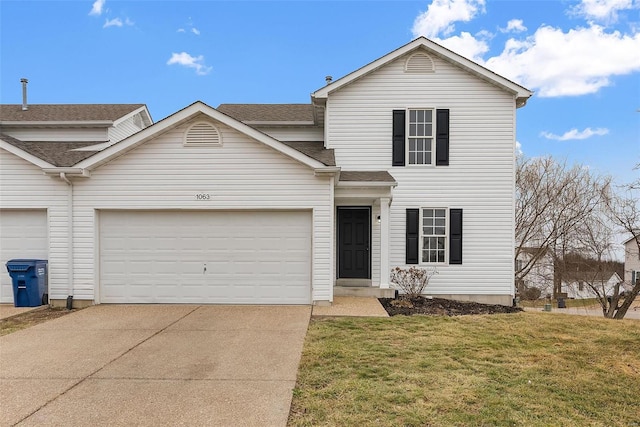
(205, 257)
(23, 234)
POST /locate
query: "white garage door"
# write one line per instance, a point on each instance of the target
(205, 257)
(23, 234)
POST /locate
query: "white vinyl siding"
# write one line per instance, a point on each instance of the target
(293, 133)
(631, 260)
(479, 178)
(124, 129)
(23, 234)
(24, 187)
(163, 174)
(58, 134)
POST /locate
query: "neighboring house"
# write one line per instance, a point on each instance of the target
(408, 160)
(34, 207)
(580, 284)
(631, 262)
(540, 276)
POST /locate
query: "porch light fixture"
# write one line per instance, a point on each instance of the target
(378, 219)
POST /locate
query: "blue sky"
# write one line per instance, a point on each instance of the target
(582, 58)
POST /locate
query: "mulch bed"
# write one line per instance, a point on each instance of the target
(440, 307)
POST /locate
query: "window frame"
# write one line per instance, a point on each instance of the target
(408, 136)
(445, 236)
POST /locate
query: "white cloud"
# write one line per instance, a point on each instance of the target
(603, 10)
(181, 30)
(578, 62)
(466, 45)
(442, 14)
(195, 31)
(574, 134)
(514, 26)
(519, 151)
(195, 62)
(97, 7)
(115, 22)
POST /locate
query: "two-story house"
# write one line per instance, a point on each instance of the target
(407, 161)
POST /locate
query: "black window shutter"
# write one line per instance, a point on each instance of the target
(398, 137)
(455, 236)
(413, 234)
(442, 137)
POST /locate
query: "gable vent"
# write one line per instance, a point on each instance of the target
(419, 63)
(202, 133)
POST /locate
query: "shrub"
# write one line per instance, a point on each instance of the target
(413, 280)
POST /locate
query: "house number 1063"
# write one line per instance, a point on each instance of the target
(203, 196)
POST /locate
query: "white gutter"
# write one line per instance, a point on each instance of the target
(63, 176)
(79, 172)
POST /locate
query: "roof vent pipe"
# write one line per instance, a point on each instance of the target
(328, 79)
(24, 82)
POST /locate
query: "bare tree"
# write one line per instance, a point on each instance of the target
(552, 200)
(623, 207)
(592, 264)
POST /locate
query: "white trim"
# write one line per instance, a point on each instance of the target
(24, 155)
(421, 42)
(407, 135)
(446, 236)
(385, 226)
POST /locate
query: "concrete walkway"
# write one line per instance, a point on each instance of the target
(8, 310)
(154, 365)
(351, 307)
(632, 313)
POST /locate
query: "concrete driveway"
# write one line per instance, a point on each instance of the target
(154, 365)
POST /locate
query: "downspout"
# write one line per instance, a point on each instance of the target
(63, 177)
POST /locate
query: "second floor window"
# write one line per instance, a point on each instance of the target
(420, 137)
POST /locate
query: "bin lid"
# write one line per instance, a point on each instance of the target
(23, 264)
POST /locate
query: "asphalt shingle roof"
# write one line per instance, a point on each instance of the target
(65, 112)
(366, 176)
(268, 112)
(315, 150)
(58, 153)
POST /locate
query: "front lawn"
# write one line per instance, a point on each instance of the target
(531, 369)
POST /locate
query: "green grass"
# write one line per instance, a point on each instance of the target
(527, 369)
(570, 303)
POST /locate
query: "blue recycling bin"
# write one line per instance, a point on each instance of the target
(29, 278)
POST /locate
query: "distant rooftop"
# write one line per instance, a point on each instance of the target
(65, 112)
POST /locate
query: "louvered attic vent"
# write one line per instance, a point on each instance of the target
(202, 133)
(419, 63)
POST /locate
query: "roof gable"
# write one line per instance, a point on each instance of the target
(521, 93)
(181, 117)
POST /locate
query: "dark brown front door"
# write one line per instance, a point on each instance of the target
(354, 230)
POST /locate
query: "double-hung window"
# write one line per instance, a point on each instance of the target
(420, 136)
(434, 235)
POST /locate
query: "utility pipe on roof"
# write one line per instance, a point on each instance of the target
(63, 176)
